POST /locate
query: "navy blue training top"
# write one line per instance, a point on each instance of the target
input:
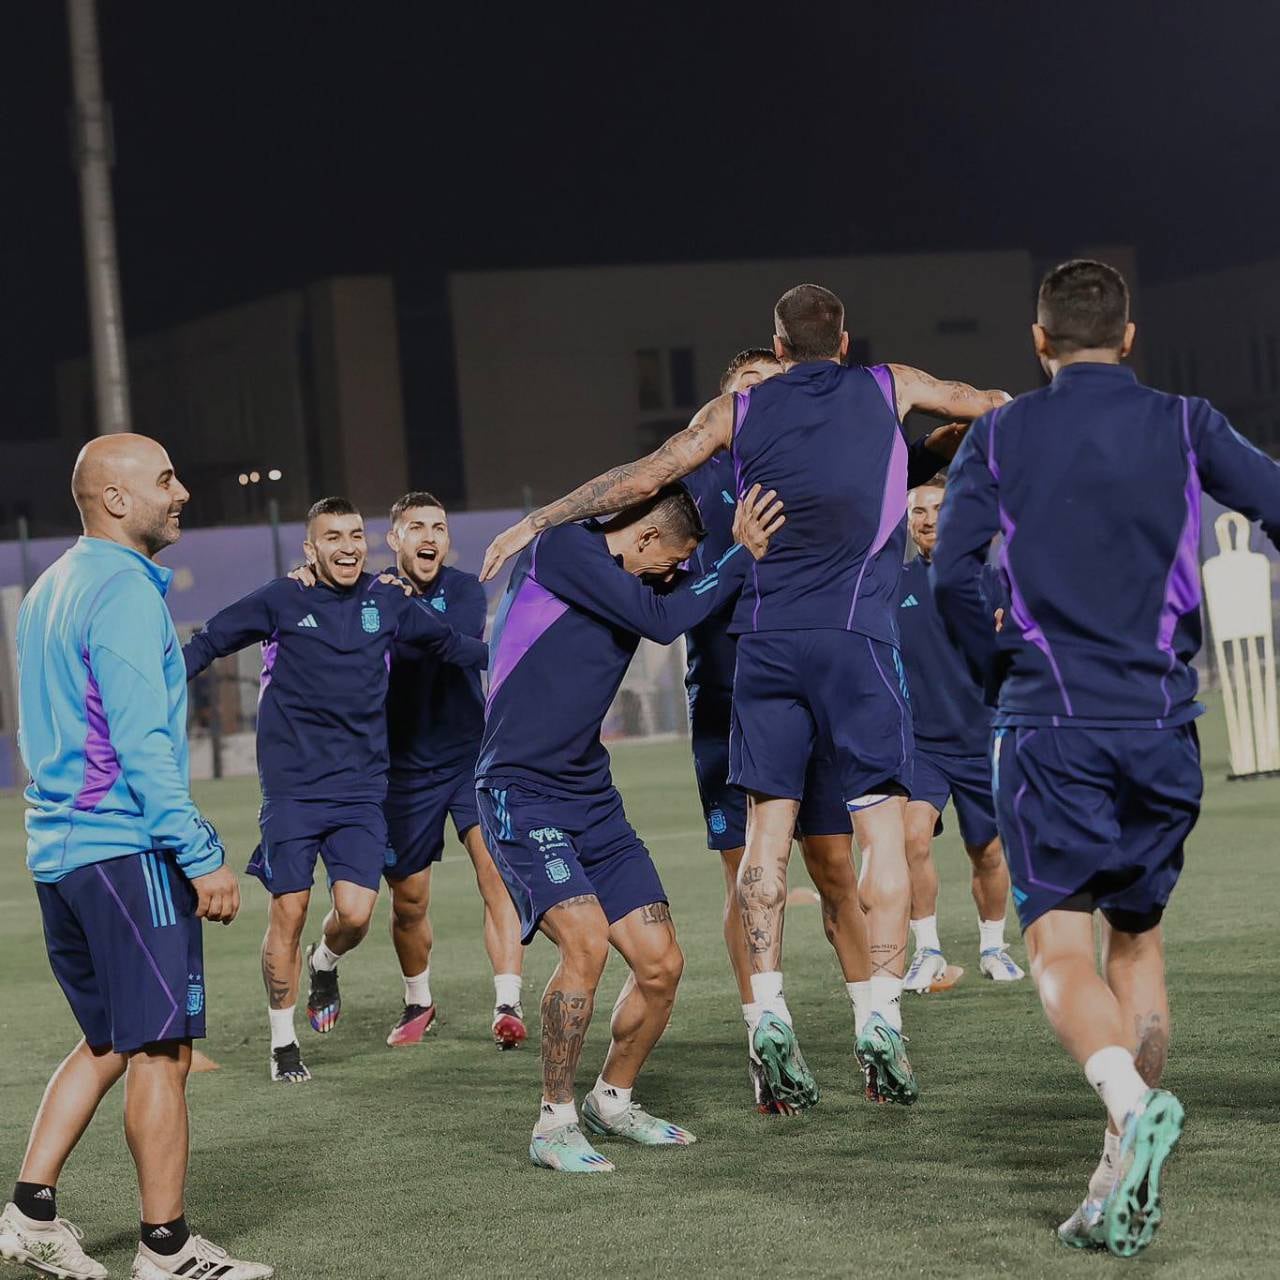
(827, 438)
(1095, 483)
(326, 655)
(566, 630)
(435, 709)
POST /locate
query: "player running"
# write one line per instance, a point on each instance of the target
(125, 866)
(1096, 482)
(569, 624)
(818, 671)
(435, 719)
(953, 733)
(322, 752)
(822, 824)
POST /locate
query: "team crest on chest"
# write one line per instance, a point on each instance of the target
(370, 618)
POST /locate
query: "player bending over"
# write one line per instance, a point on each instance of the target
(1096, 483)
(125, 867)
(579, 601)
(322, 752)
(953, 734)
(818, 670)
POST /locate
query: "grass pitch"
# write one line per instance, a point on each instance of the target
(413, 1161)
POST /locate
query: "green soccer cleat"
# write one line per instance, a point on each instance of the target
(636, 1125)
(1083, 1230)
(787, 1075)
(567, 1151)
(881, 1051)
(1131, 1213)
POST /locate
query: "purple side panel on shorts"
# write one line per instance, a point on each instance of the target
(101, 766)
(902, 722)
(1182, 586)
(269, 650)
(532, 612)
(146, 951)
(741, 403)
(1018, 611)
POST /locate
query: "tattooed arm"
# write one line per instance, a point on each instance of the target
(916, 389)
(710, 429)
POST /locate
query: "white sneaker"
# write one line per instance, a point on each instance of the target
(198, 1259)
(51, 1248)
(997, 964)
(927, 967)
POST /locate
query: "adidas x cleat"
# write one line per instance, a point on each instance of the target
(636, 1125)
(1083, 1230)
(786, 1074)
(508, 1026)
(766, 1103)
(198, 1259)
(881, 1051)
(287, 1066)
(49, 1248)
(567, 1151)
(997, 964)
(324, 1000)
(415, 1021)
(1132, 1212)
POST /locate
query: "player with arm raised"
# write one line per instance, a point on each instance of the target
(577, 605)
(1095, 482)
(322, 751)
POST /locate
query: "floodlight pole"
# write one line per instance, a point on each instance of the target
(93, 160)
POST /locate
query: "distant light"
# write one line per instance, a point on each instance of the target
(244, 479)
(275, 474)
(254, 477)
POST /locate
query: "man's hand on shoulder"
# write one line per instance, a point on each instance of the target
(757, 518)
(217, 895)
(393, 580)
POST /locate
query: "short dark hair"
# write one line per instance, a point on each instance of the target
(752, 355)
(936, 481)
(414, 498)
(809, 319)
(673, 510)
(1083, 305)
(331, 507)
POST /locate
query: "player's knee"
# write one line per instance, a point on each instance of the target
(985, 858)
(288, 917)
(887, 889)
(584, 951)
(408, 912)
(919, 848)
(659, 975)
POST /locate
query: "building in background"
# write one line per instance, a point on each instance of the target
(292, 396)
(1218, 335)
(562, 373)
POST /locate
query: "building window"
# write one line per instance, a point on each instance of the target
(649, 379)
(665, 379)
(684, 393)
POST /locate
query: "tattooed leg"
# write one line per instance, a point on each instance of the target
(762, 878)
(282, 947)
(885, 884)
(1134, 968)
(581, 933)
(646, 940)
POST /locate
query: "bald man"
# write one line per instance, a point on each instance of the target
(125, 867)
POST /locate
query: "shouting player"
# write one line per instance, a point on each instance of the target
(818, 670)
(953, 732)
(578, 603)
(1095, 482)
(322, 751)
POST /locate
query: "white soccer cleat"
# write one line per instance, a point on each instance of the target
(997, 964)
(49, 1248)
(198, 1259)
(927, 968)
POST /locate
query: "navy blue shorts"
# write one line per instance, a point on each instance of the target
(723, 806)
(1095, 819)
(416, 807)
(349, 838)
(126, 948)
(966, 782)
(833, 694)
(823, 811)
(551, 848)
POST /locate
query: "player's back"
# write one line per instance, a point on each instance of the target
(1099, 502)
(827, 439)
(710, 649)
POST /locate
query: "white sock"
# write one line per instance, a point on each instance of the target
(886, 999)
(282, 1032)
(860, 995)
(1116, 1081)
(751, 1016)
(991, 934)
(611, 1100)
(555, 1115)
(767, 990)
(507, 988)
(1104, 1176)
(322, 959)
(926, 931)
(418, 990)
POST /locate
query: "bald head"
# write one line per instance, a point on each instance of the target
(126, 490)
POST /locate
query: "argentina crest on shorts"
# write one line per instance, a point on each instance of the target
(370, 618)
(195, 994)
(549, 839)
(718, 823)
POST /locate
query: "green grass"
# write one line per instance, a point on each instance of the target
(413, 1161)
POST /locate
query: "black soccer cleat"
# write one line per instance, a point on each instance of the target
(324, 1001)
(287, 1066)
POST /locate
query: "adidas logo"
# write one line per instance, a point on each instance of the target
(309, 621)
(160, 1233)
(909, 602)
(45, 1193)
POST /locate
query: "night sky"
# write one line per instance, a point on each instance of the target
(261, 145)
